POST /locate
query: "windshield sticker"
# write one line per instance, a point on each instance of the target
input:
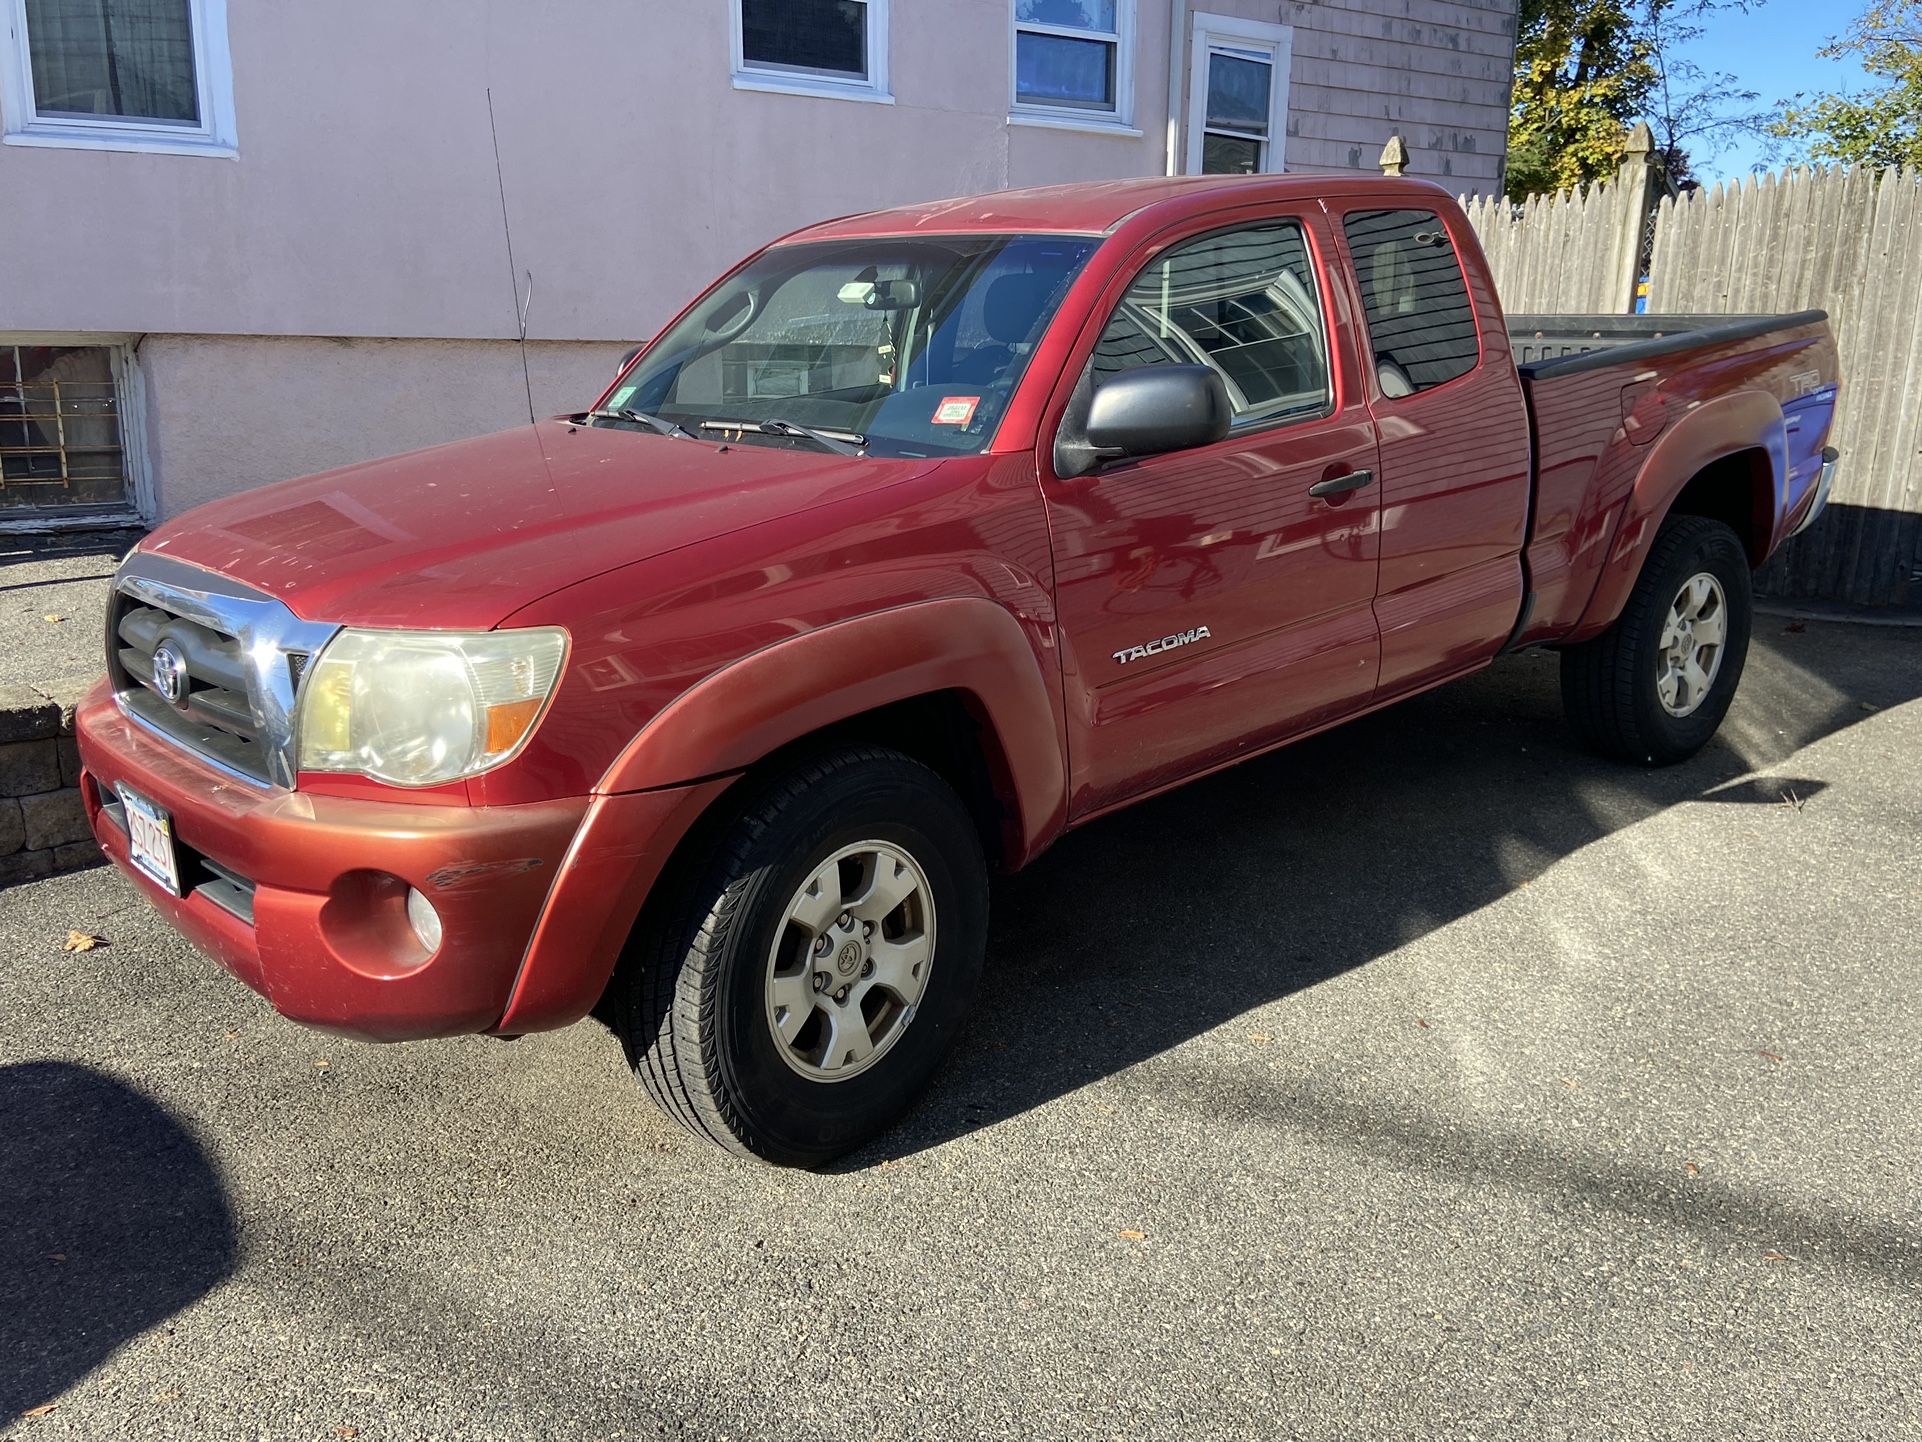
(956, 410)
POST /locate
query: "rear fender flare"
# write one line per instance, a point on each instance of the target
(766, 700)
(1724, 426)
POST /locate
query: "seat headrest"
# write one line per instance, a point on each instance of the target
(1012, 303)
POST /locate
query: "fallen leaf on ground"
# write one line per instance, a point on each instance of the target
(1573, 1086)
(1692, 1169)
(347, 1431)
(1794, 628)
(40, 1411)
(1774, 1256)
(1260, 1038)
(1128, 1234)
(1769, 1056)
(1422, 1022)
(321, 1064)
(1867, 707)
(83, 941)
(55, 619)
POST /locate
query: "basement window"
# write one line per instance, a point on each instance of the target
(62, 443)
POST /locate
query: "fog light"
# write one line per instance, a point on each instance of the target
(424, 919)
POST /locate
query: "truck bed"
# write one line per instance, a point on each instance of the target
(1602, 389)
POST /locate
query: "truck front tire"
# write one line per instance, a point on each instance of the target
(810, 970)
(1654, 686)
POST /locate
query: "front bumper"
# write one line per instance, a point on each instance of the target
(302, 897)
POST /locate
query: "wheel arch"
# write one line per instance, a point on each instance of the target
(1727, 460)
(956, 683)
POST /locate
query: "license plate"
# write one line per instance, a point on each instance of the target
(150, 832)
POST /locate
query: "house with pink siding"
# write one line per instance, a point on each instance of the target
(243, 241)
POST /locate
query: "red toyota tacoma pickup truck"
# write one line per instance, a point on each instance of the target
(920, 538)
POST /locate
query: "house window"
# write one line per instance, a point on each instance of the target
(812, 47)
(1237, 95)
(1074, 61)
(117, 75)
(61, 443)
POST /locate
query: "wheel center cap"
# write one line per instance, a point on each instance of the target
(847, 958)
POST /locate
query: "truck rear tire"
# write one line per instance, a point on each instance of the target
(1654, 686)
(809, 971)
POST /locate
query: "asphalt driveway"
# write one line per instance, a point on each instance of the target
(1431, 1078)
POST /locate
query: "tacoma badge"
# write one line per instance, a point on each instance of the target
(1166, 643)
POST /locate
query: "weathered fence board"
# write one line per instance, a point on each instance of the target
(1576, 251)
(1846, 241)
(1849, 242)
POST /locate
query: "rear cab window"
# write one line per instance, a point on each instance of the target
(1421, 322)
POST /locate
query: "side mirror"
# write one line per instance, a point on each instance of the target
(1145, 412)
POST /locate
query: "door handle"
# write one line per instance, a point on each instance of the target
(1340, 485)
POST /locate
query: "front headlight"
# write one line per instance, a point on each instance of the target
(419, 708)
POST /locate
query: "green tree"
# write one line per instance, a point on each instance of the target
(1582, 74)
(1586, 70)
(1880, 126)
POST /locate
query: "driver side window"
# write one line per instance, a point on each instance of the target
(1241, 301)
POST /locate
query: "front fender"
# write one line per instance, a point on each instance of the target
(1739, 421)
(775, 696)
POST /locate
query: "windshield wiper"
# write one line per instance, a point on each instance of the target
(657, 424)
(846, 444)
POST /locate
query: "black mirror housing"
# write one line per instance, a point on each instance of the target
(1148, 411)
(893, 295)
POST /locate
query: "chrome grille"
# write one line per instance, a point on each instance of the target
(216, 672)
(243, 656)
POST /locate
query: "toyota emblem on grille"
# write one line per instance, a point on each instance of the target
(170, 673)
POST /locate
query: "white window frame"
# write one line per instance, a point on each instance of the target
(1231, 32)
(824, 84)
(1120, 120)
(22, 124)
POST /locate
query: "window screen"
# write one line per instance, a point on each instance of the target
(814, 36)
(115, 58)
(1242, 301)
(1419, 317)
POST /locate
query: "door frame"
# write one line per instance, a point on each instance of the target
(1206, 29)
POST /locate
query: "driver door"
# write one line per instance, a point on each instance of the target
(1217, 600)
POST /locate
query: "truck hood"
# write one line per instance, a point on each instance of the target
(461, 536)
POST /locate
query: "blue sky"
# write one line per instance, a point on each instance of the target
(1771, 50)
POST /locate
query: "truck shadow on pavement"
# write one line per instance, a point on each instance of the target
(1185, 912)
(114, 1221)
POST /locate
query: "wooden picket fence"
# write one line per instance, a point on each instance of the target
(1846, 241)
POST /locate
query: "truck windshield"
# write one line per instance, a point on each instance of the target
(904, 346)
